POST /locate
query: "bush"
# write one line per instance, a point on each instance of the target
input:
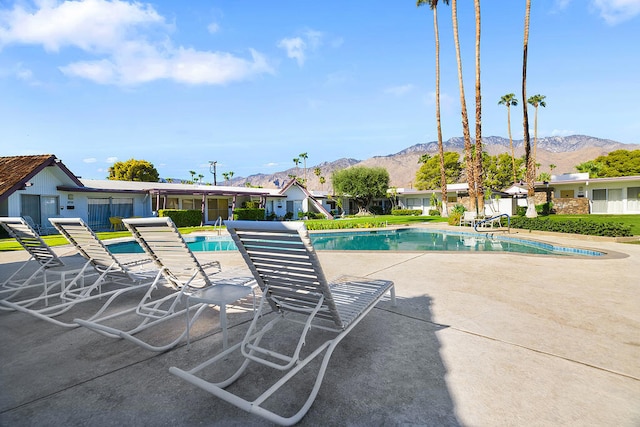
(434, 212)
(454, 218)
(344, 224)
(580, 226)
(544, 209)
(288, 215)
(182, 217)
(414, 212)
(521, 211)
(459, 209)
(251, 214)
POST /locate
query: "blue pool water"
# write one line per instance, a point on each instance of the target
(406, 239)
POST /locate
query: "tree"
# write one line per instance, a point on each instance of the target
(428, 176)
(509, 100)
(536, 101)
(296, 160)
(529, 160)
(133, 170)
(468, 150)
(443, 176)
(200, 176)
(478, 172)
(499, 170)
(616, 163)
(304, 157)
(193, 176)
(361, 183)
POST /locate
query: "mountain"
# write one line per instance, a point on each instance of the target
(564, 152)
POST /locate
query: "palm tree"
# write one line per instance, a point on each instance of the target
(536, 101)
(529, 161)
(304, 157)
(468, 150)
(193, 176)
(443, 176)
(296, 160)
(478, 153)
(225, 175)
(509, 100)
(200, 176)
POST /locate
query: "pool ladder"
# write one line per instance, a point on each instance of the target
(218, 225)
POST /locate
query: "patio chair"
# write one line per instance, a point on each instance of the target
(468, 218)
(283, 261)
(50, 271)
(114, 278)
(193, 287)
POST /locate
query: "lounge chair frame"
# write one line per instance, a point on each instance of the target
(287, 269)
(190, 281)
(119, 277)
(49, 264)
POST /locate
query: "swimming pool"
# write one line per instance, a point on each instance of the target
(404, 239)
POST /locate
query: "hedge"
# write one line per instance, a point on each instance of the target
(414, 212)
(182, 217)
(579, 226)
(251, 214)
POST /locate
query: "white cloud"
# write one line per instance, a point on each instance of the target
(297, 47)
(112, 159)
(127, 44)
(399, 90)
(271, 164)
(90, 160)
(616, 11)
(213, 27)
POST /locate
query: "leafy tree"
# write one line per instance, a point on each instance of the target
(428, 176)
(133, 170)
(443, 177)
(509, 100)
(616, 163)
(361, 183)
(498, 170)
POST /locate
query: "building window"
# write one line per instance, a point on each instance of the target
(633, 199)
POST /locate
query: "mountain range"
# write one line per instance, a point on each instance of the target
(563, 151)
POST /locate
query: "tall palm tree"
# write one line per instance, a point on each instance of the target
(304, 157)
(443, 175)
(509, 100)
(225, 175)
(479, 174)
(537, 101)
(529, 160)
(296, 160)
(468, 150)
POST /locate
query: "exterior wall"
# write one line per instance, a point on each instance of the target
(571, 205)
(605, 197)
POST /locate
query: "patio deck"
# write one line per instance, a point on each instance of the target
(477, 339)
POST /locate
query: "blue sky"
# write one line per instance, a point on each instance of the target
(252, 84)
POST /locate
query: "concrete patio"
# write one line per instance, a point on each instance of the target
(476, 339)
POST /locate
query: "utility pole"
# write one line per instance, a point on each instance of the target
(212, 169)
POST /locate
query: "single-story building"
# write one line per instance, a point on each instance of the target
(569, 193)
(42, 187)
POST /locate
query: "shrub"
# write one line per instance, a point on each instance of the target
(521, 211)
(414, 212)
(251, 214)
(459, 208)
(182, 217)
(544, 209)
(288, 215)
(579, 226)
(454, 218)
(434, 212)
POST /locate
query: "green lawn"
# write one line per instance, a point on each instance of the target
(631, 220)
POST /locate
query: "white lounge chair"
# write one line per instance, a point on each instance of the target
(50, 271)
(282, 259)
(110, 278)
(468, 218)
(188, 280)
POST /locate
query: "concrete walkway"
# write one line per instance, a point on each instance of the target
(477, 339)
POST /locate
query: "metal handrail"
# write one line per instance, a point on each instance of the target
(218, 225)
(475, 225)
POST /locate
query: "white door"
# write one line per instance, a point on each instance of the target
(599, 198)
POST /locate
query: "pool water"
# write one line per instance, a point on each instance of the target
(406, 239)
